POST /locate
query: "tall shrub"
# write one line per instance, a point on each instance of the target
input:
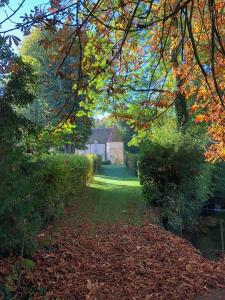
(175, 178)
(219, 181)
(131, 160)
(17, 85)
(97, 162)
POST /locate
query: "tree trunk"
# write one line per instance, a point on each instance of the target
(179, 101)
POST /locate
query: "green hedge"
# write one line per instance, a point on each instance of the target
(39, 192)
(59, 179)
(106, 162)
(131, 160)
(219, 181)
(97, 159)
(176, 180)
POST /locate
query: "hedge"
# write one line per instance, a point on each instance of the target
(97, 159)
(42, 188)
(59, 179)
(219, 181)
(176, 181)
(131, 160)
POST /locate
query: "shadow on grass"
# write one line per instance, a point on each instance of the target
(118, 178)
(115, 195)
(114, 172)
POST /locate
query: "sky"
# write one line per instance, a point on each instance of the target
(26, 8)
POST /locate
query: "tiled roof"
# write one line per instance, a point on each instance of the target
(104, 135)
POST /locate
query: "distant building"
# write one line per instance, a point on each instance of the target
(106, 142)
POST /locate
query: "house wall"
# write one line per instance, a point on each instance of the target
(115, 152)
(99, 149)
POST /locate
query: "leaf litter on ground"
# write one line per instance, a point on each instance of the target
(119, 261)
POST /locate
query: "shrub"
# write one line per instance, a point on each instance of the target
(59, 179)
(131, 160)
(218, 179)
(39, 192)
(18, 217)
(106, 162)
(175, 179)
(117, 161)
(97, 160)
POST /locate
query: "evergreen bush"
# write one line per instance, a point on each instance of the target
(131, 160)
(106, 162)
(175, 178)
(58, 179)
(218, 179)
(97, 160)
(37, 194)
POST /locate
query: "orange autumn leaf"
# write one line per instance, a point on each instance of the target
(194, 108)
(199, 118)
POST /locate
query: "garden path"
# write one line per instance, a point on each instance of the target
(98, 253)
(114, 195)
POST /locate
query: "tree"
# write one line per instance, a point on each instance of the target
(185, 37)
(56, 104)
(17, 88)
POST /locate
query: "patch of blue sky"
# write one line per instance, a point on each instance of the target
(10, 24)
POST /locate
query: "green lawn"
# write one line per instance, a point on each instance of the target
(114, 195)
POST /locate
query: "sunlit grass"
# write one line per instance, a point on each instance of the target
(114, 195)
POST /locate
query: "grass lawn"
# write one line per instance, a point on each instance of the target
(114, 195)
(99, 253)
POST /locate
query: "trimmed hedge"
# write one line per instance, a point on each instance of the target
(47, 185)
(59, 179)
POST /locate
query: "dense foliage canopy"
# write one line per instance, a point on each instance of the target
(129, 42)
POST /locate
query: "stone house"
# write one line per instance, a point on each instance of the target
(106, 142)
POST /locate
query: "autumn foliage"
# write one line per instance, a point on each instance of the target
(119, 262)
(182, 40)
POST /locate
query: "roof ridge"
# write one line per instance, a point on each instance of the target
(105, 135)
(110, 135)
